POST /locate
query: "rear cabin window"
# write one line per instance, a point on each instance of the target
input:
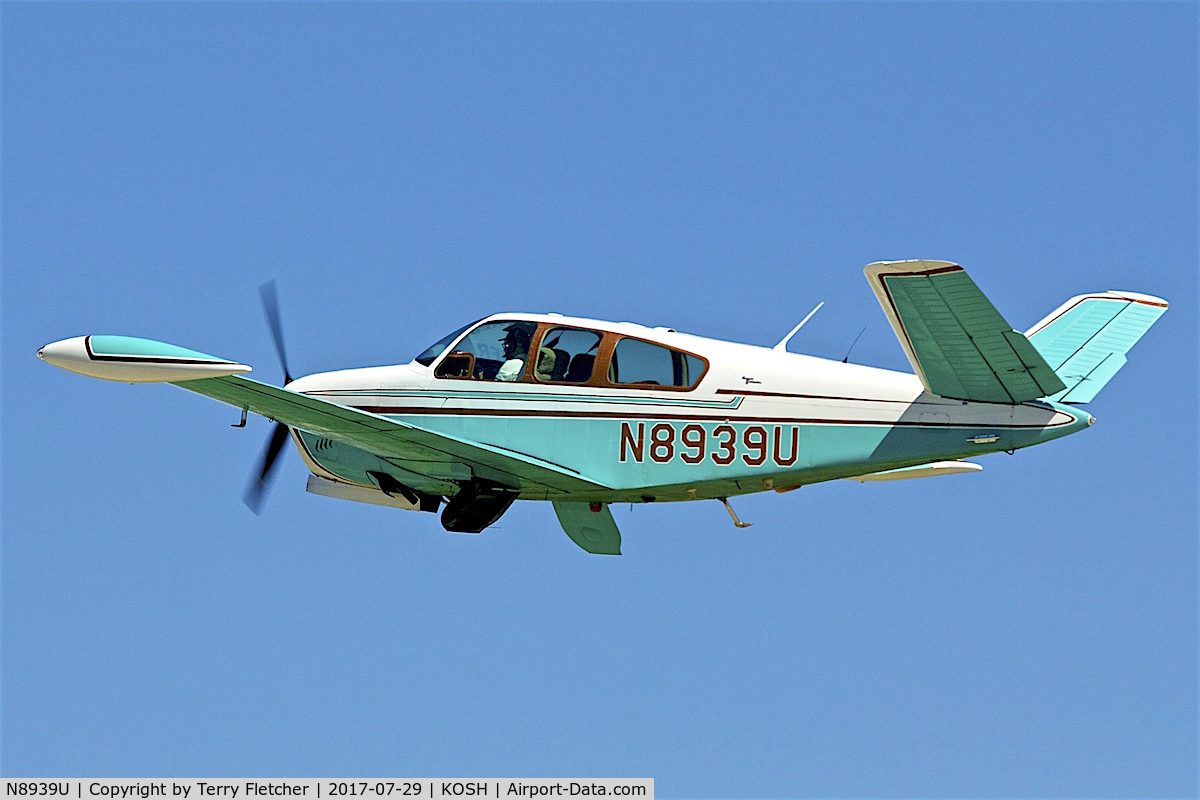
(495, 351)
(566, 355)
(639, 363)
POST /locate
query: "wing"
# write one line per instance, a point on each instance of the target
(419, 450)
(955, 338)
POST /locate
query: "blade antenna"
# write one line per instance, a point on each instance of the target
(782, 346)
(270, 300)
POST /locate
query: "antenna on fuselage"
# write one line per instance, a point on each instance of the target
(856, 338)
(782, 346)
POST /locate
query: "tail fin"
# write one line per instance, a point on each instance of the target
(956, 340)
(1086, 338)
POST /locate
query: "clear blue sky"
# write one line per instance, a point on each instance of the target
(403, 169)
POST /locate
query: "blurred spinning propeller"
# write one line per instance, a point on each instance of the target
(256, 490)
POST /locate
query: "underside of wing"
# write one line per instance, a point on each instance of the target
(958, 343)
(433, 454)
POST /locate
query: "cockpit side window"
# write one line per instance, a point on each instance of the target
(638, 363)
(566, 355)
(495, 351)
(430, 354)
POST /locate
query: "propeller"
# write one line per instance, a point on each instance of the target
(270, 302)
(256, 490)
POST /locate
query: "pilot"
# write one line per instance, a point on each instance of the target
(516, 350)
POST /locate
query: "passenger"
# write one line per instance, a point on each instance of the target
(544, 371)
(516, 350)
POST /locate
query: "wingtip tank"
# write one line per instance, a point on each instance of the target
(128, 359)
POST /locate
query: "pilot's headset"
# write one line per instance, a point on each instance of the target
(517, 340)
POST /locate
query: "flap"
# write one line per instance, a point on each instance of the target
(594, 531)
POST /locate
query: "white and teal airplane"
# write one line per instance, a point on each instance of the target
(584, 413)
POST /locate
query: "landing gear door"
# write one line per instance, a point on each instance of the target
(591, 526)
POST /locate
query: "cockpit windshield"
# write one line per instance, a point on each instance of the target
(437, 348)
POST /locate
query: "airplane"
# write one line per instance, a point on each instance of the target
(585, 413)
